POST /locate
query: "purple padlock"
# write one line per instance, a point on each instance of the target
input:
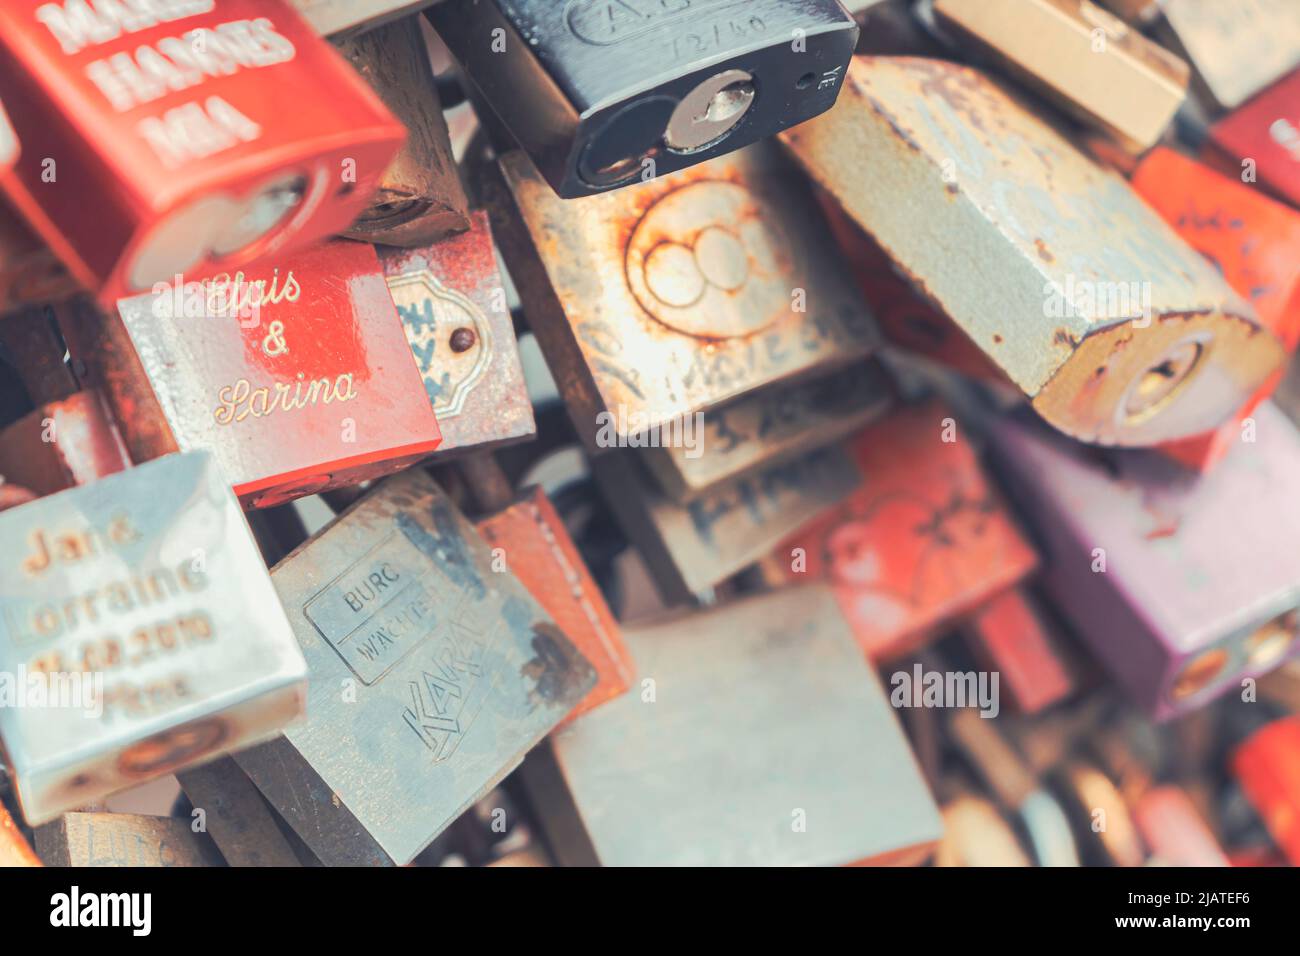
(1182, 584)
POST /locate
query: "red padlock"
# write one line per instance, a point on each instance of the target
(1267, 764)
(1260, 141)
(181, 136)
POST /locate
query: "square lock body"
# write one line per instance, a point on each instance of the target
(688, 548)
(1078, 56)
(432, 673)
(62, 444)
(141, 605)
(759, 737)
(452, 303)
(336, 18)
(1252, 240)
(680, 293)
(1262, 139)
(1180, 584)
(296, 375)
(530, 538)
(923, 539)
(601, 94)
(1111, 325)
(192, 137)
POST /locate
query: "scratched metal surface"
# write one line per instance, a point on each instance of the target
(424, 698)
(1027, 245)
(762, 708)
(679, 293)
(168, 697)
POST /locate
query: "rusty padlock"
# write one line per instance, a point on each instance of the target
(922, 541)
(208, 134)
(1081, 58)
(123, 840)
(1180, 584)
(1115, 330)
(420, 198)
(297, 376)
(141, 605)
(452, 301)
(432, 674)
(602, 94)
(638, 782)
(680, 293)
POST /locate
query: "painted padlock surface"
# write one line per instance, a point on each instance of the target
(141, 603)
(1181, 584)
(297, 375)
(1262, 140)
(1114, 328)
(601, 95)
(432, 674)
(191, 136)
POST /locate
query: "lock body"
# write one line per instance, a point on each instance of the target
(431, 675)
(1115, 330)
(1260, 141)
(531, 541)
(62, 444)
(296, 375)
(633, 783)
(141, 603)
(602, 95)
(1267, 765)
(922, 540)
(1180, 584)
(680, 293)
(207, 133)
(451, 300)
(1010, 634)
(123, 840)
(1078, 56)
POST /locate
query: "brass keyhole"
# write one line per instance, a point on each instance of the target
(1157, 384)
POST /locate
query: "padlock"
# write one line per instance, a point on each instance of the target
(529, 540)
(1260, 141)
(769, 426)
(692, 547)
(297, 376)
(639, 781)
(923, 540)
(1011, 634)
(350, 17)
(604, 94)
(452, 302)
(29, 272)
(203, 134)
(141, 605)
(1267, 765)
(1081, 58)
(1174, 829)
(14, 848)
(432, 675)
(680, 293)
(123, 840)
(1235, 49)
(230, 810)
(1255, 244)
(1180, 584)
(420, 197)
(1115, 330)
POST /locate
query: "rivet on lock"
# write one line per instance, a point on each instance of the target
(1180, 584)
(452, 302)
(1115, 330)
(1252, 240)
(420, 198)
(530, 539)
(680, 293)
(296, 374)
(142, 603)
(123, 840)
(1082, 58)
(638, 782)
(921, 541)
(691, 547)
(601, 95)
(192, 139)
(432, 674)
